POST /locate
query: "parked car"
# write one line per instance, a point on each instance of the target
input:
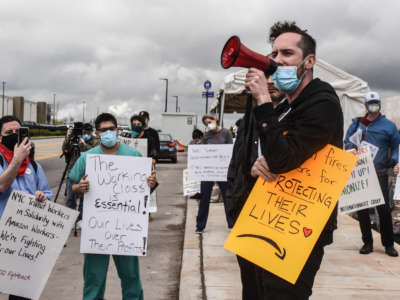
(167, 147)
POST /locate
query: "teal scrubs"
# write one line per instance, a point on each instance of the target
(96, 265)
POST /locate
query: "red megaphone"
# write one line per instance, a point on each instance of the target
(235, 54)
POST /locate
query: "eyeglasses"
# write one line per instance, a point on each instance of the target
(107, 129)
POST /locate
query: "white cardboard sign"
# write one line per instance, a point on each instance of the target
(362, 189)
(116, 208)
(32, 236)
(396, 195)
(139, 144)
(209, 162)
(189, 187)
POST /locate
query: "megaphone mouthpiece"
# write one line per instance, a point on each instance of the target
(236, 54)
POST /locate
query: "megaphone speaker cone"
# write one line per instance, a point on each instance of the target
(230, 52)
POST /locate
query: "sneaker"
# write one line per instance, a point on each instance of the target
(366, 249)
(199, 231)
(391, 251)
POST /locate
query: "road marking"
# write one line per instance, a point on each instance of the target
(47, 156)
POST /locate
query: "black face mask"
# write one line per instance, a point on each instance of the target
(10, 141)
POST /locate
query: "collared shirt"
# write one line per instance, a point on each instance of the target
(31, 182)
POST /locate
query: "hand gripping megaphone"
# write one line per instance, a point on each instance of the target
(236, 54)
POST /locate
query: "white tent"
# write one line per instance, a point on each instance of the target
(350, 89)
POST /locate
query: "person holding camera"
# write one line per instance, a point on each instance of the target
(78, 139)
(96, 265)
(312, 119)
(382, 133)
(17, 170)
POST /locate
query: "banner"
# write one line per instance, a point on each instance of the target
(116, 208)
(31, 239)
(282, 220)
(209, 162)
(362, 189)
(139, 144)
(189, 187)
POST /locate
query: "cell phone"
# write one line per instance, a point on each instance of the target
(22, 133)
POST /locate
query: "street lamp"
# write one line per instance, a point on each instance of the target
(176, 98)
(166, 92)
(83, 110)
(54, 108)
(2, 112)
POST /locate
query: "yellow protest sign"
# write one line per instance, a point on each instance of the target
(282, 220)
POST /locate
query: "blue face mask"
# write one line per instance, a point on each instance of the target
(285, 79)
(86, 137)
(108, 138)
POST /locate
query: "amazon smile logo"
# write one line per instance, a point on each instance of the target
(281, 253)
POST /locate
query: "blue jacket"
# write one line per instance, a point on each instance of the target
(31, 182)
(381, 133)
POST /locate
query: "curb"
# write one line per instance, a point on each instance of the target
(190, 285)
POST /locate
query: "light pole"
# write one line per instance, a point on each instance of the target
(83, 110)
(2, 112)
(166, 92)
(176, 98)
(54, 108)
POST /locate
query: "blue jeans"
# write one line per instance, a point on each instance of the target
(204, 205)
(71, 199)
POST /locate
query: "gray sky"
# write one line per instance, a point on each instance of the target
(112, 53)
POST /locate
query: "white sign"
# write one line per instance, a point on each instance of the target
(189, 187)
(356, 137)
(373, 149)
(209, 162)
(116, 208)
(153, 202)
(139, 144)
(396, 195)
(362, 189)
(31, 239)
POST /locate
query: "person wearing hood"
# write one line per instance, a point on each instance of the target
(215, 134)
(310, 118)
(382, 133)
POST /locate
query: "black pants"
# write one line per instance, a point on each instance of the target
(385, 218)
(12, 297)
(259, 284)
(204, 205)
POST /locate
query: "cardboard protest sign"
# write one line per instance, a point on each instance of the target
(209, 162)
(282, 220)
(153, 202)
(116, 208)
(139, 144)
(373, 149)
(362, 189)
(31, 239)
(189, 187)
(396, 195)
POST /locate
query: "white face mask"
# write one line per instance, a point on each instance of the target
(211, 126)
(373, 108)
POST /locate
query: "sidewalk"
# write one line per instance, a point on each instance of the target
(211, 272)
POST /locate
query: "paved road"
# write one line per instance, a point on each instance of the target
(159, 270)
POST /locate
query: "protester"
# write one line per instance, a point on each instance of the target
(151, 135)
(215, 135)
(312, 119)
(96, 265)
(197, 135)
(17, 170)
(88, 141)
(240, 182)
(382, 133)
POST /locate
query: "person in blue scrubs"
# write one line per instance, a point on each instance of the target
(17, 171)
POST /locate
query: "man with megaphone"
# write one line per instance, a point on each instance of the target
(311, 119)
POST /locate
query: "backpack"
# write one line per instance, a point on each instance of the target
(34, 163)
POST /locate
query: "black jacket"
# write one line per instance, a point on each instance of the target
(315, 119)
(153, 142)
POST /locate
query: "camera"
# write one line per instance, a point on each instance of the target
(77, 132)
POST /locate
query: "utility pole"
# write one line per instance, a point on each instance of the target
(2, 112)
(176, 98)
(54, 108)
(166, 92)
(83, 111)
